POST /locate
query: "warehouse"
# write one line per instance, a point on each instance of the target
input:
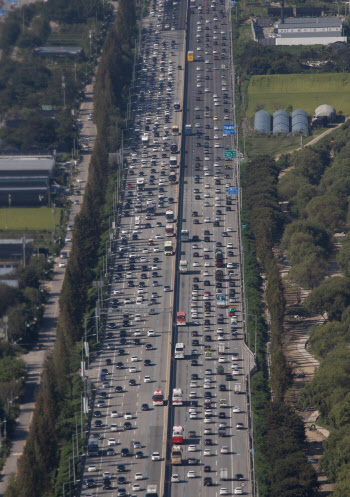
(25, 180)
(310, 31)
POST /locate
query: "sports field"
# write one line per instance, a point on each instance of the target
(301, 91)
(31, 219)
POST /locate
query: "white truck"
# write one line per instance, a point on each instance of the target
(145, 138)
(237, 388)
(223, 474)
(183, 267)
(221, 348)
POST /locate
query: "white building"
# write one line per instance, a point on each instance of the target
(310, 31)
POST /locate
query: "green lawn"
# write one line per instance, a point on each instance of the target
(31, 219)
(301, 91)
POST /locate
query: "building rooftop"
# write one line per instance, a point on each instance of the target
(311, 22)
(26, 163)
(58, 51)
(315, 34)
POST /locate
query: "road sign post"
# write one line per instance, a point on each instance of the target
(229, 129)
(229, 154)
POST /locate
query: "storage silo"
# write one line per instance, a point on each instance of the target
(300, 122)
(262, 122)
(281, 122)
(326, 111)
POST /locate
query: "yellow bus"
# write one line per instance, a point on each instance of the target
(190, 56)
(175, 130)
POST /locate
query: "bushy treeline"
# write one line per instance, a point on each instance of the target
(279, 433)
(43, 467)
(329, 390)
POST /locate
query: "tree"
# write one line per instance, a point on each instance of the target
(331, 297)
(343, 259)
(326, 211)
(309, 272)
(10, 31)
(328, 336)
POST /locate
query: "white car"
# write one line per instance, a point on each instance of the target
(235, 372)
(230, 245)
(207, 452)
(134, 358)
(175, 478)
(236, 409)
(111, 441)
(114, 427)
(155, 456)
(91, 467)
(191, 474)
(207, 264)
(192, 448)
(150, 333)
(193, 384)
(138, 476)
(136, 487)
(207, 195)
(224, 449)
(230, 265)
(195, 264)
(193, 415)
(137, 317)
(132, 369)
(137, 333)
(221, 337)
(222, 359)
(128, 415)
(223, 491)
(147, 379)
(115, 414)
(61, 264)
(238, 491)
(193, 395)
(208, 372)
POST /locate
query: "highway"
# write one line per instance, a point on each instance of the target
(136, 345)
(147, 289)
(204, 213)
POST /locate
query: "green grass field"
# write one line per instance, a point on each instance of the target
(31, 219)
(301, 91)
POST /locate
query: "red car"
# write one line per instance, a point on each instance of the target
(198, 98)
(129, 185)
(150, 242)
(232, 312)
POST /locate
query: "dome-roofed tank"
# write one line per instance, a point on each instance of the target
(262, 122)
(300, 122)
(281, 122)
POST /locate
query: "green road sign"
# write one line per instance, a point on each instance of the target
(229, 154)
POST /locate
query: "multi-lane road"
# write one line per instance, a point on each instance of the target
(147, 290)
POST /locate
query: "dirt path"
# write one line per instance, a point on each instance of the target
(312, 142)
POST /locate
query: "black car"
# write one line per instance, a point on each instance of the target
(130, 283)
(121, 352)
(207, 238)
(121, 468)
(144, 407)
(108, 362)
(126, 322)
(207, 469)
(119, 365)
(194, 362)
(121, 480)
(222, 415)
(123, 334)
(195, 343)
(222, 387)
(207, 338)
(119, 389)
(147, 362)
(207, 322)
(123, 341)
(228, 377)
(238, 477)
(222, 432)
(208, 481)
(207, 395)
(137, 341)
(206, 283)
(127, 425)
(97, 414)
(124, 452)
(192, 460)
(98, 423)
(208, 441)
(149, 346)
(132, 383)
(90, 483)
(194, 376)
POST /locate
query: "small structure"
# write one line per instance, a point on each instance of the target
(281, 124)
(300, 122)
(25, 180)
(325, 112)
(262, 122)
(60, 52)
(14, 250)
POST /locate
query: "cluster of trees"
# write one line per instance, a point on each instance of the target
(27, 82)
(43, 467)
(316, 189)
(279, 435)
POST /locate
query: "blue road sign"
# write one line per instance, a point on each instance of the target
(232, 3)
(229, 129)
(232, 191)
